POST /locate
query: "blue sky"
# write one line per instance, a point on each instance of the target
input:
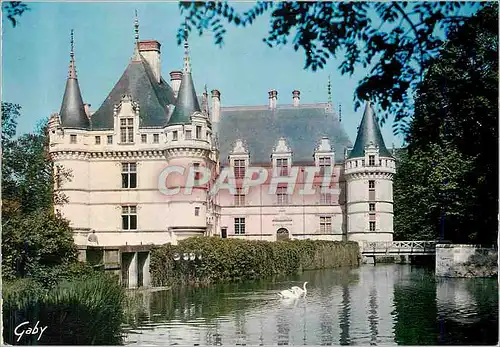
(36, 57)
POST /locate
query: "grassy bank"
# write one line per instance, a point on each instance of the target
(235, 259)
(85, 311)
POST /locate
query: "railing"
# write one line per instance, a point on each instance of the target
(398, 247)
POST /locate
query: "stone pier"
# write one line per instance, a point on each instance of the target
(129, 263)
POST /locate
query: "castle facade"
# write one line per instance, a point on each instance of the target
(292, 169)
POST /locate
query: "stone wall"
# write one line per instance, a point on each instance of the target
(454, 260)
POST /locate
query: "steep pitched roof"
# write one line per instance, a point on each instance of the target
(368, 133)
(72, 111)
(139, 82)
(187, 102)
(302, 126)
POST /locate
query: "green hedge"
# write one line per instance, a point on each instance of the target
(87, 311)
(236, 259)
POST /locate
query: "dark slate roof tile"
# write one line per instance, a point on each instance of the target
(260, 128)
(138, 81)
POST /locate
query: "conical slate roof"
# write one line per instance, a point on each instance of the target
(138, 81)
(368, 133)
(72, 111)
(187, 102)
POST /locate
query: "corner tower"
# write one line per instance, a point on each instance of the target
(369, 170)
(189, 149)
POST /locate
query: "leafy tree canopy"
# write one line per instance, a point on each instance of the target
(13, 10)
(451, 167)
(396, 40)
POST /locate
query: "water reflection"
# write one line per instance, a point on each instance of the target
(372, 305)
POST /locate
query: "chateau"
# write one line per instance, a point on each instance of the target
(118, 156)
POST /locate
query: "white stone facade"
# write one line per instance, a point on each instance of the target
(114, 189)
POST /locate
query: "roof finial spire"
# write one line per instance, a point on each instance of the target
(136, 27)
(340, 112)
(187, 63)
(329, 90)
(136, 56)
(72, 68)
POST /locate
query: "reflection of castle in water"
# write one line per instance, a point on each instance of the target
(337, 310)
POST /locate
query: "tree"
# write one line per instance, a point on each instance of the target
(36, 242)
(451, 168)
(396, 40)
(28, 174)
(14, 9)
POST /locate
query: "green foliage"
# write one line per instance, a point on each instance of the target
(85, 311)
(451, 165)
(236, 259)
(395, 40)
(13, 10)
(38, 245)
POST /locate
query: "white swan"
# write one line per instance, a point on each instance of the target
(299, 290)
(289, 294)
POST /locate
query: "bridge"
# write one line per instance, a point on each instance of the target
(392, 248)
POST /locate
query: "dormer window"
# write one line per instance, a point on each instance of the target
(282, 165)
(371, 160)
(188, 134)
(127, 130)
(198, 132)
(324, 163)
(175, 135)
(239, 168)
(72, 139)
(156, 138)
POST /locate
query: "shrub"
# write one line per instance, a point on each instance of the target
(236, 259)
(86, 311)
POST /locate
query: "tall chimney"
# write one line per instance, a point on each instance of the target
(296, 97)
(273, 97)
(175, 81)
(150, 50)
(215, 109)
(87, 109)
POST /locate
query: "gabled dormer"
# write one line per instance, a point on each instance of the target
(239, 158)
(281, 158)
(324, 155)
(126, 124)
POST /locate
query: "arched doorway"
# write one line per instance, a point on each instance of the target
(282, 234)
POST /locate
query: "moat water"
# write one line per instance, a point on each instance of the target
(371, 305)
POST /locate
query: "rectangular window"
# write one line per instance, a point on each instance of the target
(129, 217)
(223, 232)
(126, 130)
(372, 207)
(129, 175)
(326, 199)
(196, 167)
(175, 135)
(371, 160)
(363, 162)
(110, 139)
(72, 138)
(239, 226)
(282, 165)
(239, 198)
(282, 196)
(144, 138)
(324, 163)
(156, 138)
(325, 225)
(197, 211)
(372, 226)
(188, 134)
(198, 132)
(97, 140)
(371, 184)
(239, 168)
